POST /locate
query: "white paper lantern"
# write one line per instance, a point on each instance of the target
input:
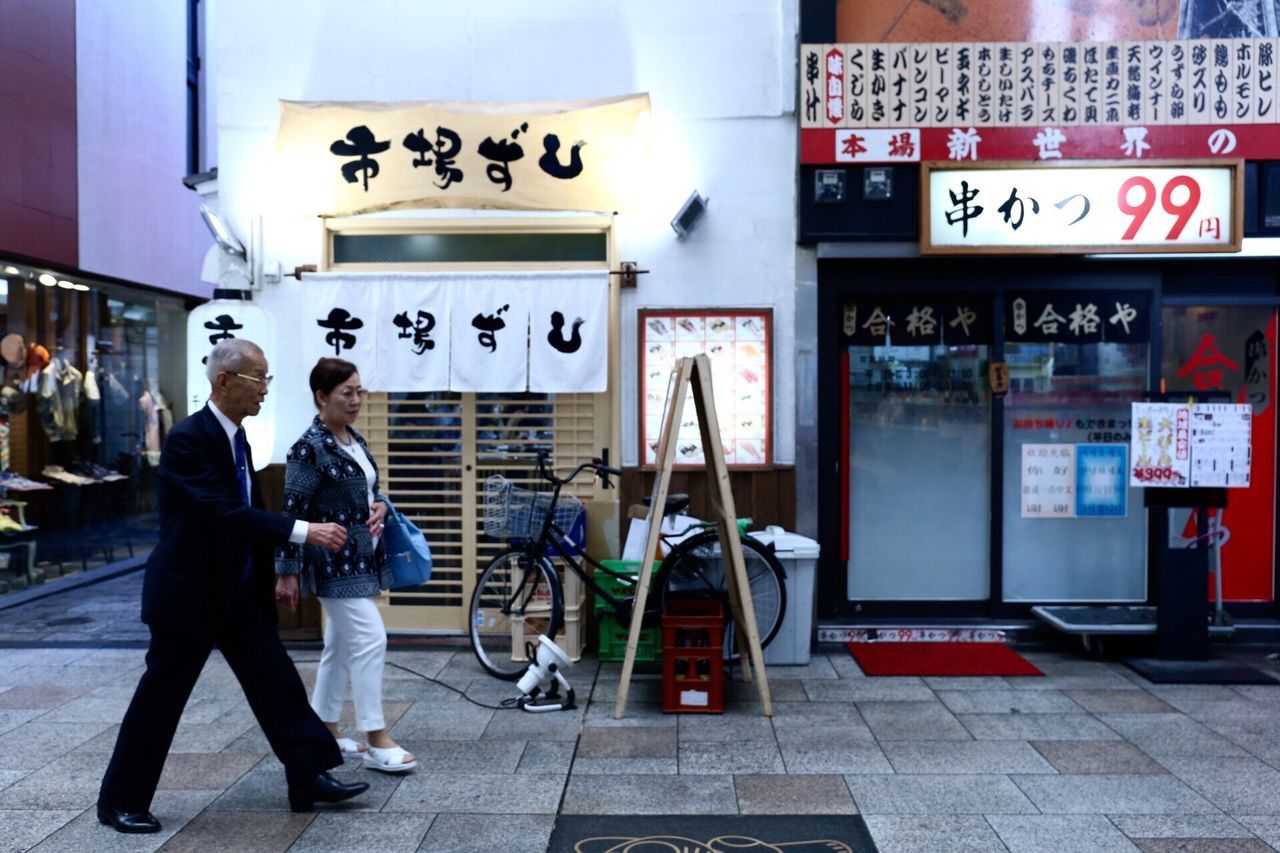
(230, 314)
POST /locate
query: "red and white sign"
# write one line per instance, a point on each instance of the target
(1160, 453)
(877, 146)
(1081, 208)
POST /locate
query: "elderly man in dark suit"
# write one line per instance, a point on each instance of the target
(209, 584)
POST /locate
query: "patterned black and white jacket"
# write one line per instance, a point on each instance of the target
(322, 483)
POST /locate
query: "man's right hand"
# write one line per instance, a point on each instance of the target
(327, 535)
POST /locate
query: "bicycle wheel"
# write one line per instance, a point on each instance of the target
(515, 600)
(696, 568)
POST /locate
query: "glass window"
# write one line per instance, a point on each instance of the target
(920, 473)
(1071, 394)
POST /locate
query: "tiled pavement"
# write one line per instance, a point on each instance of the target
(1090, 758)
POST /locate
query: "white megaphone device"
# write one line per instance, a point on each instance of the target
(541, 685)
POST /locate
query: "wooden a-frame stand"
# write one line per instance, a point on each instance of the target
(695, 373)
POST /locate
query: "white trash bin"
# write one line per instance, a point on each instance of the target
(799, 557)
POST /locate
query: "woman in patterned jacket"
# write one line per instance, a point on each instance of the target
(331, 476)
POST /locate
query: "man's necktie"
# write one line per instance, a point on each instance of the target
(242, 474)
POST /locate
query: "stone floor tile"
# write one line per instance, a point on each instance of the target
(448, 721)
(1119, 702)
(807, 715)
(819, 666)
(650, 795)
(1201, 845)
(1059, 833)
(477, 793)
(467, 833)
(965, 682)
(67, 782)
(1008, 702)
(12, 718)
(1097, 756)
(1266, 827)
(1113, 794)
(202, 771)
(964, 757)
(242, 831)
(845, 666)
(638, 742)
(1035, 727)
(32, 745)
(362, 832)
(1180, 826)
(745, 756)
(438, 756)
(551, 756)
(600, 715)
(724, 727)
(392, 711)
(1174, 734)
(100, 705)
(41, 698)
(933, 834)
(218, 736)
(934, 795)
(607, 766)
(780, 690)
(912, 721)
(1236, 785)
(24, 828)
(779, 794)
(1096, 681)
(868, 690)
(802, 754)
(521, 725)
(174, 810)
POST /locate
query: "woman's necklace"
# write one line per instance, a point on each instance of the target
(350, 438)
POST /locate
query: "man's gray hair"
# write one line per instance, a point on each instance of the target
(229, 355)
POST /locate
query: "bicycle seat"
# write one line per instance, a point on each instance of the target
(675, 504)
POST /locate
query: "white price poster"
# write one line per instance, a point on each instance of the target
(1160, 449)
(1220, 444)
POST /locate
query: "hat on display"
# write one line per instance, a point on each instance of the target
(13, 349)
(12, 401)
(37, 358)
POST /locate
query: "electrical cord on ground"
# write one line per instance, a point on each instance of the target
(506, 704)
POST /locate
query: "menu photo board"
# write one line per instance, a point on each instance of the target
(738, 343)
(1074, 481)
(1184, 445)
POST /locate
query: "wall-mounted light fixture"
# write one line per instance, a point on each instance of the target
(48, 280)
(690, 215)
(66, 285)
(12, 271)
(226, 240)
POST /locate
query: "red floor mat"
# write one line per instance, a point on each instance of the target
(940, 659)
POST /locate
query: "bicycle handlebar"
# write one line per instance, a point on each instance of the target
(601, 470)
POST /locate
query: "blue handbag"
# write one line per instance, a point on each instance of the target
(407, 550)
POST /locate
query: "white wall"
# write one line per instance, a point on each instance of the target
(137, 220)
(720, 76)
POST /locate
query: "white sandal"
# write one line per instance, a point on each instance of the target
(390, 760)
(350, 748)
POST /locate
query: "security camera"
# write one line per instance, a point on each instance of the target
(689, 216)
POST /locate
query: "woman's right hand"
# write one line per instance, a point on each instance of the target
(287, 591)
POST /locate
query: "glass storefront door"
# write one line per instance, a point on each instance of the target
(918, 415)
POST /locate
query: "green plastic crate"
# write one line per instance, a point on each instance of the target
(612, 637)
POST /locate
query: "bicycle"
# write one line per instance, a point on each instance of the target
(519, 595)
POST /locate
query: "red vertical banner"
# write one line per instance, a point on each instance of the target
(1234, 349)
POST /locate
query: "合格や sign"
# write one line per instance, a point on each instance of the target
(1082, 208)
(912, 102)
(339, 158)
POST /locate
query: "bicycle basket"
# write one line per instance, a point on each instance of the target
(511, 512)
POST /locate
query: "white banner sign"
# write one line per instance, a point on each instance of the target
(477, 332)
(1077, 208)
(1048, 481)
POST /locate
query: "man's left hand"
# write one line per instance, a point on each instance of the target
(287, 591)
(377, 517)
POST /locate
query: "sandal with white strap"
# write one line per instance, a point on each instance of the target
(350, 748)
(390, 760)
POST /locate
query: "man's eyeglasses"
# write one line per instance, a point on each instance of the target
(264, 381)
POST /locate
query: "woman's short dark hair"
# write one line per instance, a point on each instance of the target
(328, 374)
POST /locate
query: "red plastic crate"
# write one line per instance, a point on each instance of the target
(692, 657)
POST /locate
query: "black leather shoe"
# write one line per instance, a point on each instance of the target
(132, 822)
(322, 789)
